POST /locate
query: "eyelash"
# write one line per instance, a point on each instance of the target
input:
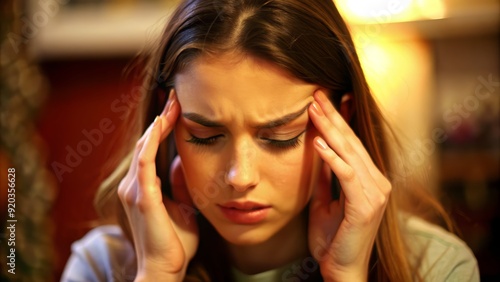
(285, 144)
(203, 141)
(278, 144)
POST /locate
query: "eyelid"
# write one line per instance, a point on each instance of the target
(203, 141)
(283, 131)
(200, 131)
(296, 136)
(274, 143)
(285, 144)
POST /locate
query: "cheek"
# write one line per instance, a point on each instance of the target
(295, 175)
(203, 180)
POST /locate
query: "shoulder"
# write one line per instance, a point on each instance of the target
(103, 254)
(438, 254)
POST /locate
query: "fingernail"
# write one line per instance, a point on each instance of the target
(321, 143)
(316, 109)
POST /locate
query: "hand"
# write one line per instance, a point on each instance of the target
(342, 232)
(164, 239)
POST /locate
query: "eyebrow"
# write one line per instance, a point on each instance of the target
(204, 121)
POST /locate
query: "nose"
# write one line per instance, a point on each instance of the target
(243, 171)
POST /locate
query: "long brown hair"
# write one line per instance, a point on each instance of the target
(310, 40)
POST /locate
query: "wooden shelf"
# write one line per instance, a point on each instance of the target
(99, 31)
(469, 165)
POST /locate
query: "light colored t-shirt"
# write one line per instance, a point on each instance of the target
(104, 254)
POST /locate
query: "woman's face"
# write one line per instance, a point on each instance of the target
(245, 142)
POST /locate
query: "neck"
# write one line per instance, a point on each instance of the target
(286, 246)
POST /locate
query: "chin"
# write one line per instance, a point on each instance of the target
(244, 235)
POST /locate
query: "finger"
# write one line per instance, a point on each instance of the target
(170, 107)
(374, 183)
(331, 113)
(162, 126)
(345, 173)
(138, 147)
(170, 112)
(337, 142)
(338, 121)
(330, 116)
(146, 163)
(169, 101)
(378, 177)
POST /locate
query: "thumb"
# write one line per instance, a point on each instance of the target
(180, 192)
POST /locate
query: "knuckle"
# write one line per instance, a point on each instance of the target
(349, 174)
(127, 192)
(127, 197)
(332, 158)
(347, 147)
(380, 200)
(367, 215)
(121, 189)
(386, 187)
(141, 204)
(142, 162)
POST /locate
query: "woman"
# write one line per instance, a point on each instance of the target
(283, 168)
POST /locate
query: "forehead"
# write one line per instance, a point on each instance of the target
(215, 85)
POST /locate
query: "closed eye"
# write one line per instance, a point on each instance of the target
(204, 141)
(284, 144)
(276, 144)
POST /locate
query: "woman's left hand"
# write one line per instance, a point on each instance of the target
(342, 232)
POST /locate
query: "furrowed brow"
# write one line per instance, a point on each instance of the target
(202, 120)
(283, 120)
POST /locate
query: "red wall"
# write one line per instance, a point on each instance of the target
(84, 100)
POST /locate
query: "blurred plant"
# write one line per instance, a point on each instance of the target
(22, 93)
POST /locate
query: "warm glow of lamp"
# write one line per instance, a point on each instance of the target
(400, 75)
(370, 9)
(387, 11)
(432, 9)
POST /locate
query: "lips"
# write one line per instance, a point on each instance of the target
(245, 212)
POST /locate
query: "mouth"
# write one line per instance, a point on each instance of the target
(245, 212)
(246, 206)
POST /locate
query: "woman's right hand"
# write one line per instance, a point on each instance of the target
(165, 240)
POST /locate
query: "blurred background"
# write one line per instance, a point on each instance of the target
(432, 64)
